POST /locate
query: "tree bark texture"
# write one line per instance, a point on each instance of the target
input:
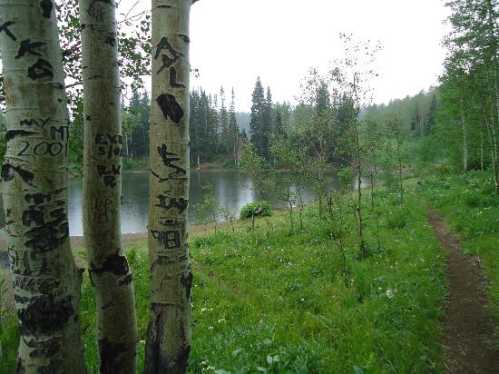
(465, 138)
(169, 332)
(108, 266)
(46, 280)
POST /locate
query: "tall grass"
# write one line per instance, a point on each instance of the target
(275, 301)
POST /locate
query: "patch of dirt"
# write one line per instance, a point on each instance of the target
(470, 340)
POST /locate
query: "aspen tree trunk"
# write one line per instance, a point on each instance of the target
(495, 155)
(46, 280)
(358, 208)
(169, 332)
(494, 152)
(465, 138)
(492, 23)
(108, 267)
(401, 170)
(482, 155)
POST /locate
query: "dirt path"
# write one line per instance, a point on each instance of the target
(469, 329)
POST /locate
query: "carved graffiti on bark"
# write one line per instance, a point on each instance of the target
(5, 28)
(40, 70)
(9, 171)
(168, 203)
(109, 175)
(46, 6)
(173, 79)
(29, 47)
(168, 239)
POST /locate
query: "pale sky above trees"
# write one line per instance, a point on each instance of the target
(234, 41)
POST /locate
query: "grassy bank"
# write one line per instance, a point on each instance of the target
(304, 302)
(471, 208)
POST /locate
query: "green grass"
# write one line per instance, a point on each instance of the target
(471, 207)
(280, 302)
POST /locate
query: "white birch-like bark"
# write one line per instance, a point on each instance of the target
(465, 138)
(108, 266)
(169, 333)
(46, 280)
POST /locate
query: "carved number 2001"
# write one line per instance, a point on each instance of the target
(42, 149)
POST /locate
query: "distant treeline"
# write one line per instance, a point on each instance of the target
(457, 124)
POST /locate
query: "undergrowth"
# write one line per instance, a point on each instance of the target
(274, 300)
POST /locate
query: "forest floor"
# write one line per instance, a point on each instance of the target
(295, 296)
(470, 339)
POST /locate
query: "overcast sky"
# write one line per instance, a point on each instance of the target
(234, 41)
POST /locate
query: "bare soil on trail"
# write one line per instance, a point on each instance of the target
(470, 343)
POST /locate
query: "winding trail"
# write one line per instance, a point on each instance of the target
(470, 343)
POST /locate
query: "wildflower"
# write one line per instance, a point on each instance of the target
(389, 293)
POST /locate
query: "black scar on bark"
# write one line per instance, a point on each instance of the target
(186, 281)
(41, 69)
(39, 198)
(29, 47)
(170, 107)
(46, 6)
(51, 368)
(153, 341)
(115, 264)
(21, 299)
(110, 40)
(184, 37)
(20, 369)
(44, 315)
(9, 171)
(5, 28)
(183, 359)
(46, 235)
(46, 348)
(111, 355)
(126, 280)
(156, 360)
(11, 134)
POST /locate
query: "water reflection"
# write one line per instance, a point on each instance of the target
(232, 190)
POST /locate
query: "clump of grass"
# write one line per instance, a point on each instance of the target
(256, 209)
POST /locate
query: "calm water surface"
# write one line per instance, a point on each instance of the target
(232, 190)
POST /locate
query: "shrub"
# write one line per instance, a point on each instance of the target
(396, 219)
(257, 209)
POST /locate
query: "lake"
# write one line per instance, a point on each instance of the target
(231, 189)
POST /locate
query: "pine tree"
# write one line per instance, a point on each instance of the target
(234, 140)
(223, 136)
(258, 134)
(195, 127)
(213, 127)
